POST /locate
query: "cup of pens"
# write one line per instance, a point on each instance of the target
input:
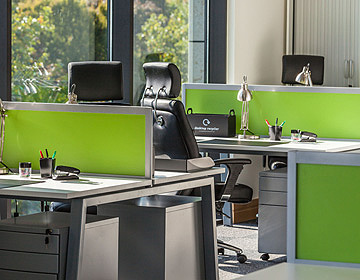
(275, 131)
(47, 164)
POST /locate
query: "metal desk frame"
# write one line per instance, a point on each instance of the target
(143, 187)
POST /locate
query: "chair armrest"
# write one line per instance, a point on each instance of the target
(234, 166)
(232, 161)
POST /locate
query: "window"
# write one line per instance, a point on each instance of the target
(170, 31)
(46, 35)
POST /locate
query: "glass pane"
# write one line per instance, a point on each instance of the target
(25, 207)
(170, 31)
(46, 36)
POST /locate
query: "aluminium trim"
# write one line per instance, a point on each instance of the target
(307, 157)
(103, 109)
(278, 88)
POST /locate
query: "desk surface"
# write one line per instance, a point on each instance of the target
(290, 271)
(264, 145)
(88, 185)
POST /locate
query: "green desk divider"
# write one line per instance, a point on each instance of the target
(327, 223)
(328, 114)
(103, 143)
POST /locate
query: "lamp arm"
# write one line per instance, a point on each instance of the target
(245, 115)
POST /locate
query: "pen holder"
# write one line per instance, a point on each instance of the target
(275, 132)
(47, 166)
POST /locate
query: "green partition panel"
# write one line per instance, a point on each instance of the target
(330, 115)
(327, 213)
(103, 143)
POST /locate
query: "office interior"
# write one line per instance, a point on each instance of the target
(122, 191)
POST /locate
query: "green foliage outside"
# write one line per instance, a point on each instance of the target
(46, 35)
(161, 34)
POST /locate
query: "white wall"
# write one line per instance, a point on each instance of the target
(256, 40)
(256, 44)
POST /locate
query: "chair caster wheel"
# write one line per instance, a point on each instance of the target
(221, 251)
(241, 258)
(265, 257)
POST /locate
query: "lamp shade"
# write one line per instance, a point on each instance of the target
(244, 93)
(304, 77)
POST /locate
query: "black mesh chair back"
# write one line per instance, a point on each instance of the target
(96, 80)
(292, 65)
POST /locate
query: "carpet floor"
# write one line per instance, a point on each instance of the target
(245, 236)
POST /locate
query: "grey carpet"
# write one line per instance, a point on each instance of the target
(245, 236)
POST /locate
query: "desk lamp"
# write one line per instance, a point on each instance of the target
(245, 96)
(304, 77)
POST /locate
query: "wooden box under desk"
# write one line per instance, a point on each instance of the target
(245, 212)
(34, 247)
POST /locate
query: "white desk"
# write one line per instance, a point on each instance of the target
(290, 271)
(94, 190)
(264, 146)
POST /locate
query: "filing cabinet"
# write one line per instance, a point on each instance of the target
(34, 247)
(272, 211)
(160, 237)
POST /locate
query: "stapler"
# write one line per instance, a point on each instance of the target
(66, 173)
(306, 136)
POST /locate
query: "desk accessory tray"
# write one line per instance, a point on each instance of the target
(183, 165)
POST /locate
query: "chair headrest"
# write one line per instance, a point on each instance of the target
(162, 75)
(96, 80)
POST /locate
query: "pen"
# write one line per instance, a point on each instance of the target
(47, 154)
(53, 156)
(282, 123)
(276, 122)
(41, 154)
(267, 122)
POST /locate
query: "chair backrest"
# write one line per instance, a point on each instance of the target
(293, 65)
(96, 80)
(173, 136)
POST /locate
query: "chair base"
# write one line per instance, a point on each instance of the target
(239, 252)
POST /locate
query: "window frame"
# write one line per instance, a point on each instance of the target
(121, 43)
(5, 51)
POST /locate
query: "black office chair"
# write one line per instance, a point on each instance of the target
(292, 65)
(174, 138)
(97, 81)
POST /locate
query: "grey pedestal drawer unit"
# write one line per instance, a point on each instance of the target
(159, 237)
(272, 211)
(34, 247)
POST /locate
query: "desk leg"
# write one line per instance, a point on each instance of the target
(76, 239)
(5, 208)
(209, 232)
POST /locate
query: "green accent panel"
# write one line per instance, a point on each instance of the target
(204, 101)
(93, 142)
(327, 213)
(329, 115)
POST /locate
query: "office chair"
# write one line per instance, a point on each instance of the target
(97, 81)
(292, 65)
(174, 138)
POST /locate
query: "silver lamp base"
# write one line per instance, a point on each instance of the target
(245, 136)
